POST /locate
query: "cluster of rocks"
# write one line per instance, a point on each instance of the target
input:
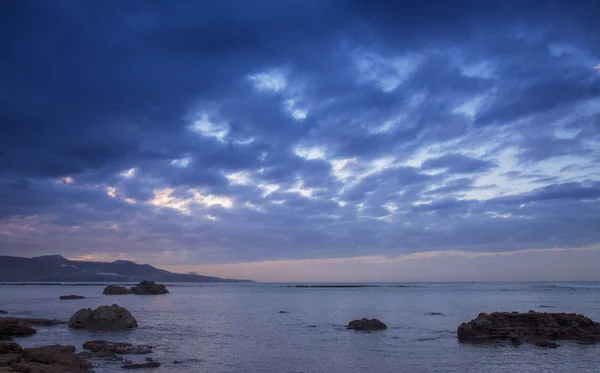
(143, 288)
(539, 328)
(47, 359)
(122, 348)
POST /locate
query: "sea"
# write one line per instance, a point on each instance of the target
(238, 327)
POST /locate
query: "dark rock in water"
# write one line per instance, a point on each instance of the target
(64, 297)
(149, 359)
(283, 312)
(47, 359)
(149, 288)
(116, 290)
(3, 312)
(547, 344)
(531, 327)
(103, 318)
(14, 327)
(433, 314)
(42, 322)
(116, 347)
(10, 348)
(105, 355)
(312, 326)
(177, 362)
(366, 324)
(149, 364)
(544, 306)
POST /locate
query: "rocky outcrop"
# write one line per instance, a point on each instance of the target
(13, 327)
(10, 348)
(47, 359)
(116, 290)
(116, 347)
(65, 297)
(533, 327)
(149, 288)
(366, 324)
(19, 327)
(103, 318)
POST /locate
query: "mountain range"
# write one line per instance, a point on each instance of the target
(56, 268)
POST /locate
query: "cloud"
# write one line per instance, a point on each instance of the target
(220, 134)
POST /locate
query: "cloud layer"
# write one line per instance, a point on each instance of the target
(248, 131)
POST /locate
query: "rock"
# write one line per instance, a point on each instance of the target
(10, 348)
(149, 288)
(312, 326)
(3, 312)
(149, 364)
(177, 362)
(41, 322)
(546, 306)
(47, 359)
(149, 359)
(64, 297)
(116, 290)
(433, 314)
(366, 324)
(283, 312)
(12, 326)
(547, 344)
(104, 318)
(116, 347)
(529, 327)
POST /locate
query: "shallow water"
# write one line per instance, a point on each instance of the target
(238, 327)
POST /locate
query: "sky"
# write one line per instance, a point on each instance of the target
(287, 140)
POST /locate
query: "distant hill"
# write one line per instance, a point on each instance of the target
(56, 268)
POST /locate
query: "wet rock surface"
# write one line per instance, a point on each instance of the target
(47, 359)
(65, 297)
(19, 327)
(116, 347)
(366, 324)
(103, 318)
(147, 364)
(149, 288)
(539, 328)
(116, 290)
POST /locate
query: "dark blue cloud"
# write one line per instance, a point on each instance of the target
(262, 129)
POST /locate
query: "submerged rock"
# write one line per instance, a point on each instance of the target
(366, 324)
(116, 347)
(47, 359)
(532, 327)
(103, 318)
(116, 290)
(148, 364)
(64, 297)
(149, 288)
(548, 344)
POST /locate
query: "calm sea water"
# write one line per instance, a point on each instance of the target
(238, 327)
